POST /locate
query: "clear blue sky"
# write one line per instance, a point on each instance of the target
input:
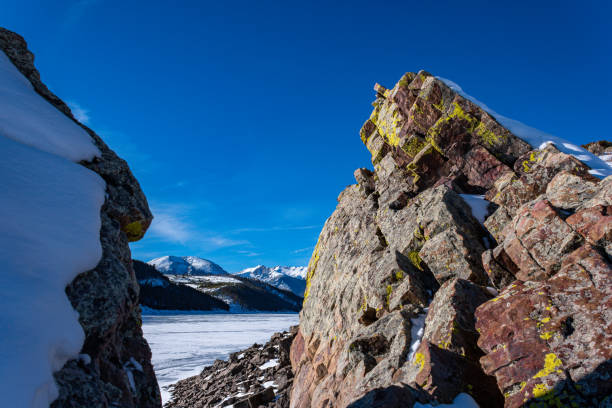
(241, 119)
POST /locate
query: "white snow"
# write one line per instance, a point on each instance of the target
(607, 158)
(492, 290)
(539, 139)
(416, 332)
(29, 119)
(291, 278)
(182, 344)
(462, 400)
(50, 227)
(186, 265)
(269, 384)
(269, 364)
(293, 271)
(478, 204)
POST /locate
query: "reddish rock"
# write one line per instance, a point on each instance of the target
(594, 224)
(499, 267)
(569, 191)
(537, 239)
(533, 171)
(552, 340)
(443, 375)
(598, 148)
(450, 319)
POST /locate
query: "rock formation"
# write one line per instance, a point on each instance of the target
(402, 302)
(116, 370)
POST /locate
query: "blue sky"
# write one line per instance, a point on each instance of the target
(241, 119)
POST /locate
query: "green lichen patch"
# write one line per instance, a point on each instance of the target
(133, 230)
(413, 145)
(416, 260)
(312, 267)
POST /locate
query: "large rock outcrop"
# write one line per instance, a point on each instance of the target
(399, 304)
(117, 370)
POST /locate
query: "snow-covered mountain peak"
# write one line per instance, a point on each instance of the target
(186, 265)
(293, 271)
(284, 277)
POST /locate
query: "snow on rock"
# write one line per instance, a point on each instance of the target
(462, 400)
(478, 204)
(539, 139)
(416, 332)
(293, 271)
(29, 119)
(272, 363)
(186, 265)
(50, 233)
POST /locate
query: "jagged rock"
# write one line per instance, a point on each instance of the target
(598, 148)
(106, 297)
(551, 340)
(595, 225)
(568, 191)
(241, 381)
(388, 246)
(500, 268)
(537, 239)
(365, 179)
(383, 253)
(533, 171)
(443, 374)
(450, 319)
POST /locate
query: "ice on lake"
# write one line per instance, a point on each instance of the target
(182, 344)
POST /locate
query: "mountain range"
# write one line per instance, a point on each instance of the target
(189, 283)
(283, 277)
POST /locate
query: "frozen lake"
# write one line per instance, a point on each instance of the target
(184, 343)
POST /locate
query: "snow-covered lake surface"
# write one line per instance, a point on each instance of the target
(182, 344)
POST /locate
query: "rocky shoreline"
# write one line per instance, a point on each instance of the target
(259, 376)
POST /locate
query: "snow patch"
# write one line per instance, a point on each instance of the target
(269, 384)
(492, 291)
(272, 363)
(417, 330)
(538, 138)
(462, 400)
(50, 227)
(27, 118)
(478, 204)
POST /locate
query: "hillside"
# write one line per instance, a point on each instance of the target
(158, 292)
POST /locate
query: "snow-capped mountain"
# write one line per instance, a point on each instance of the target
(290, 278)
(186, 265)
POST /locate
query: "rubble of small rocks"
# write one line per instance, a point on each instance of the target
(259, 376)
(410, 298)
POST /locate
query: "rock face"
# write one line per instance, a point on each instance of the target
(117, 371)
(259, 376)
(403, 248)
